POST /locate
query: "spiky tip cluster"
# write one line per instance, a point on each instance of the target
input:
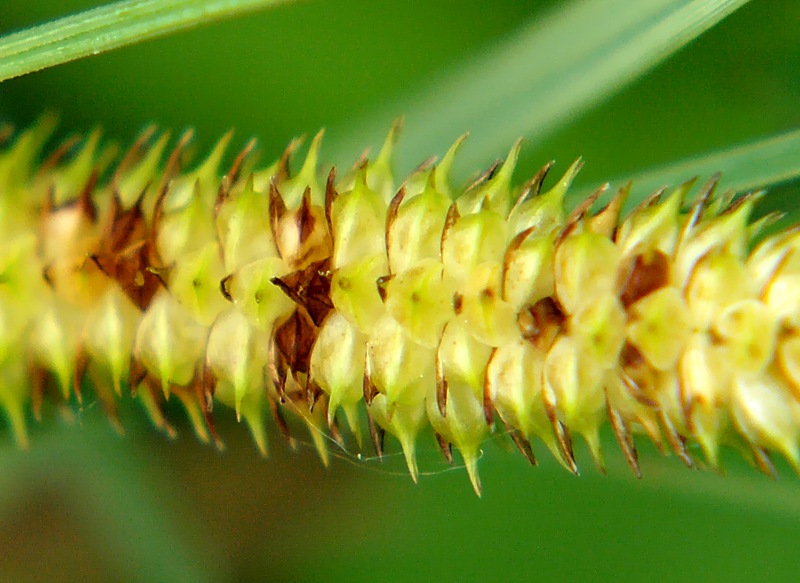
(460, 310)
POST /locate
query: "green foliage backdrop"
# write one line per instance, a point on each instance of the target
(87, 505)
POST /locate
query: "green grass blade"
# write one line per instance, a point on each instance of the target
(760, 164)
(549, 72)
(109, 27)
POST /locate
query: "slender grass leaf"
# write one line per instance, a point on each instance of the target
(549, 72)
(109, 27)
(760, 164)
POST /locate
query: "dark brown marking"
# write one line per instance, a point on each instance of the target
(606, 220)
(330, 196)
(642, 275)
(171, 168)
(562, 434)
(133, 154)
(441, 385)
(458, 303)
(513, 246)
(541, 323)
(280, 421)
(58, 154)
(381, 284)
(225, 287)
(763, 462)
(391, 216)
(377, 434)
(624, 438)
(238, 162)
(451, 219)
(701, 202)
(136, 374)
(370, 390)
(636, 375)
(488, 404)
(81, 364)
(310, 288)
(522, 442)
(126, 252)
(282, 173)
(676, 441)
(484, 177)
(277, 208)
(445, 447)
(579, 212)
(533, 187)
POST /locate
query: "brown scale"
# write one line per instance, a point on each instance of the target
(127, 253)
(309, 288)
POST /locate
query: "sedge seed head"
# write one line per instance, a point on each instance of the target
(419, 306)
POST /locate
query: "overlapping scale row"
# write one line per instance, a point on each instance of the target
(325, 298)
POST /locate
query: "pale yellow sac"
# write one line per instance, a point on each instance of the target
(788, 360)
(749, 332)
(243, 228)
(574, 388)
(400, 368)
(586, 267)
(337, 363)
(544, 213)
(464, 424)
(55, 340)
(354, 291)
(653, 227)
(598, 329)
(302, 236)
(416, 233)
(15, 396)
(781, 293)
(195, 283)
(659, 326)
(294, 188)
(64, 182)
(358, 218)
(170, 343)
(421, 302)
(514, 382)
(495, 193)
(251, 289)
(236, 355)
(726, 233)
(199, 186)
(109, 332)
(403, 422)
(705, 383)
(767, 414)
(489, 319)
(772, 257)
(462, 359)
(718, 280)
(472, 240)
(634, 413)
(18, 163)
(142, 175)
(529, 275)
(186, 229)
(22, 291)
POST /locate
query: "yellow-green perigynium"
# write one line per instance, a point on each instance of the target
(422, 305)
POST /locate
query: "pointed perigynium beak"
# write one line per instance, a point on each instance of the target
(487, 310)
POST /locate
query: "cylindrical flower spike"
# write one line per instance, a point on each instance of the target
(266, 291)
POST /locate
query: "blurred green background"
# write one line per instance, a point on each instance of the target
(84, 504)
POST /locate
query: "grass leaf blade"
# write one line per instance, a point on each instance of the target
(760, 164)
(535, 82)
(109, 27)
